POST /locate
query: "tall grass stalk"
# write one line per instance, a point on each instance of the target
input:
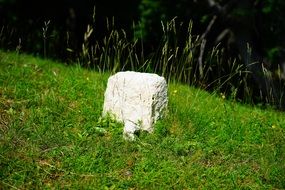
(177, 58)
(45, 30)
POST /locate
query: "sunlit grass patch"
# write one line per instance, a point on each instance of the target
(54, 136)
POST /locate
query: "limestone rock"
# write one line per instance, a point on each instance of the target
(136, 99)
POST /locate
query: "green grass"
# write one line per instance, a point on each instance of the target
(52, 136)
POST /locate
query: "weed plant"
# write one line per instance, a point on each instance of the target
(176, 58)
(180, 56)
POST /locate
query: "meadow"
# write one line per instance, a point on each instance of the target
(52, 136)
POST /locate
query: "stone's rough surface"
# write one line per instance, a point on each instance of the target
(136, 99)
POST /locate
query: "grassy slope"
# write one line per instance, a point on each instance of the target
(51, 135)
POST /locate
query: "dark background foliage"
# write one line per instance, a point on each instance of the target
(25, 20)
(56, 29)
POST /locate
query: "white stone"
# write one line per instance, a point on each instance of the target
(136, 99)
